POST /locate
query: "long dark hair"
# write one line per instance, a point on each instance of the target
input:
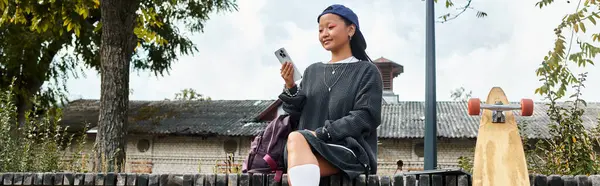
(357, 48)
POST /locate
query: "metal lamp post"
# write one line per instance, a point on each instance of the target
(430, 99)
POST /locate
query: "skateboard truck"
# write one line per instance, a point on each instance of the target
(498, 108)
(497, 115)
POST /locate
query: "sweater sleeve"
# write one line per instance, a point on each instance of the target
(365, 115)
(293, 105)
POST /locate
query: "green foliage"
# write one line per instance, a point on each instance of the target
(39, 146)
(466, 164)
(157, 26)
(28, 49)
(190, 94)
(227, 166)
(46, 40)
(450, 16)
(570, 149)
(554, 70)
(158, 33)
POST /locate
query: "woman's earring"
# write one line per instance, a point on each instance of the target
(349, 37)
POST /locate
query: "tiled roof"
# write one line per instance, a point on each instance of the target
(382, 59)
(220, 117)
(406, 120)
(239, 117)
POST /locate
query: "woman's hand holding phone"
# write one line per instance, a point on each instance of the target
(287, 73)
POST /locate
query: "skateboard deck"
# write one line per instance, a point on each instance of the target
(499, 157)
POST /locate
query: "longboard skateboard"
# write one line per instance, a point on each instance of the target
(499, 157)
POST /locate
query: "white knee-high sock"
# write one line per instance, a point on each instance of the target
(305, 175)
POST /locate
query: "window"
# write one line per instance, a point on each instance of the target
(419, 150)
(143, 145)
(230, 146)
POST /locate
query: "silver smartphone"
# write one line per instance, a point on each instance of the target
(283, 56)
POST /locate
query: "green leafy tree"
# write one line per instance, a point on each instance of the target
(43, 42)
(29, 43)
(570, 149)
(34, 33)
(118, 42)
(122, 31)
(555, 71)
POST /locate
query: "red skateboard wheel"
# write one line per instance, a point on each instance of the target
(526, 107)
(474, 106)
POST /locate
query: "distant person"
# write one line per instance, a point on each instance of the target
(337, 105)
(399, 169)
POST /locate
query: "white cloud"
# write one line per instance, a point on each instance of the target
(236, 59)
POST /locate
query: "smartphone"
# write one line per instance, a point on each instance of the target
(283, 56)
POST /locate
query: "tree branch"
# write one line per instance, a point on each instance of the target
(462, 10)
(572, 34)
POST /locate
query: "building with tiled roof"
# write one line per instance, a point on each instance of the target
(215, 117)
(404, 119)
(190, 136)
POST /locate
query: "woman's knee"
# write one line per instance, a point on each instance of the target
(295, 139)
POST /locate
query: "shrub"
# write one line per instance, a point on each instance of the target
(41, 144)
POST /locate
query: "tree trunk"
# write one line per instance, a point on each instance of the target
(32, 75)
(116, 49)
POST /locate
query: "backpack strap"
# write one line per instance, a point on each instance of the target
(278, 175)
(273, 165)
(270, 161)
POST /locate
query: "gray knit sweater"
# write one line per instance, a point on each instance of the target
(351, 109)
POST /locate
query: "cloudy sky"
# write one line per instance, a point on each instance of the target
(236, 61)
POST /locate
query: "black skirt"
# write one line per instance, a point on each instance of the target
(338, 155)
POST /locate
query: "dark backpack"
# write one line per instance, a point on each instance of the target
(266, 150)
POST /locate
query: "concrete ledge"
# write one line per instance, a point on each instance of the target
(132, 179)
